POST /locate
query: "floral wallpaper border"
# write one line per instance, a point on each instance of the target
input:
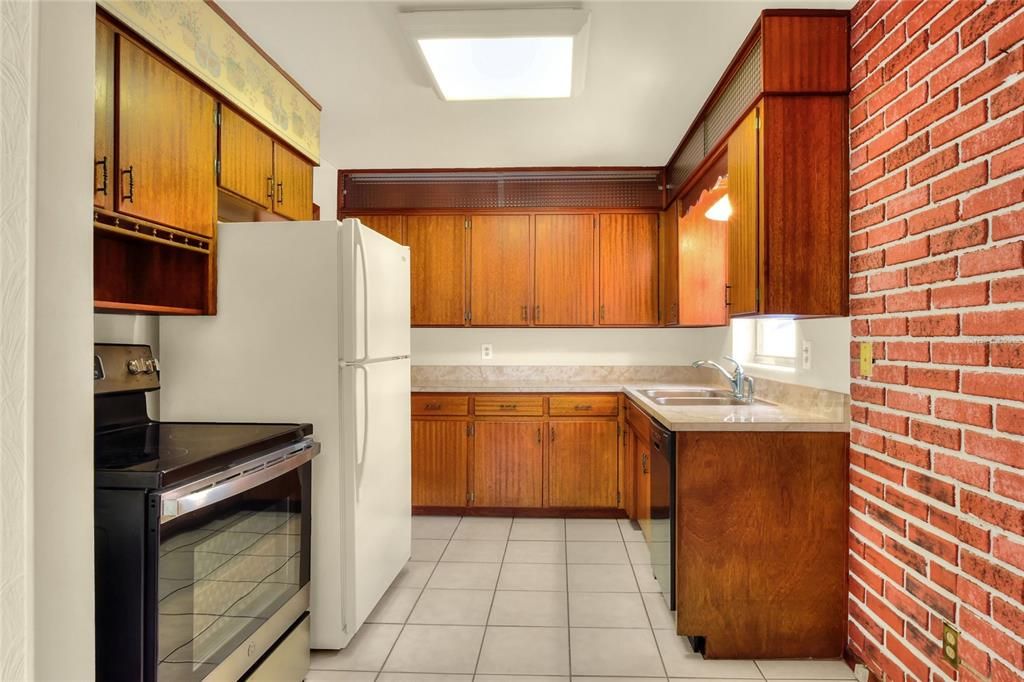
(195, 36)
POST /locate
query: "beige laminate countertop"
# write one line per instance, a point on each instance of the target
(760, 416)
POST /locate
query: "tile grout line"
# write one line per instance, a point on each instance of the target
(568, 618)
(423, 589)
(487, 620)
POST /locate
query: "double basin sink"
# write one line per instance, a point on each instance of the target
(694, 397)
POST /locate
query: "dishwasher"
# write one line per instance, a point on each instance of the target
(662, 540)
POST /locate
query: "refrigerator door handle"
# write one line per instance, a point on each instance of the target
(366, 292)
(360, 452)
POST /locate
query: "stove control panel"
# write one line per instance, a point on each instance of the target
(124, 368)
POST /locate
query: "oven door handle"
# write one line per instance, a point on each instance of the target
(191, 497)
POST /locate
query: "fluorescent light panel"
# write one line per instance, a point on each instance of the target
(528, 67)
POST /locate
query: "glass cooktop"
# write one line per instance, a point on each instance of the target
(157, 454)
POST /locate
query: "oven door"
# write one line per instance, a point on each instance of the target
(230, 561)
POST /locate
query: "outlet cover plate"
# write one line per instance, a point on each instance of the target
(487, 351)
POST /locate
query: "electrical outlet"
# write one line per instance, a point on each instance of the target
(951, 644)
(487, 351)
(867, 358)
(805, 354)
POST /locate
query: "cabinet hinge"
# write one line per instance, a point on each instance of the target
(471, 497)
(757, 297)
(217, 118)
(757, 119)
(216, 165)
(470, 430)
(467, 224)
(469, 316)
(618, 498)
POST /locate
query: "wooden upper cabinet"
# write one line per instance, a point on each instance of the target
(668, 264)
(440, 460)
(508, 464)
(167, 145)
(500, 289)
(805, 54)
(628, 273)
(104, 173)
(582, 464)
(564, 270)
(437, 245)
(391, 226)
(805, 206)
(744, 223)
(293, 185)
(246, 159)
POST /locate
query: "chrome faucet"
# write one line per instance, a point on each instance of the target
(742, 385)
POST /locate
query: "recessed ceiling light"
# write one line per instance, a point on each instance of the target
(502, 54)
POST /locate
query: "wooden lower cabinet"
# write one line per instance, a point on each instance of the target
(488, 453)
(508, 464)
(761, 542)
(440, 452)
(583, 464)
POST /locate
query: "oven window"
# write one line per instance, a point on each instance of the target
(225, 569)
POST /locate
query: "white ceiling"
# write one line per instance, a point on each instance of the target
(650, 68)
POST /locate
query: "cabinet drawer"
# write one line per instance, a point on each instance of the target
(582, 404)
(510, 405)
(436, 405)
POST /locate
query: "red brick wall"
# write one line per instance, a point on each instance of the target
(937, 286)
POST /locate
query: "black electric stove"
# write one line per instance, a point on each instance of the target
(202, 535)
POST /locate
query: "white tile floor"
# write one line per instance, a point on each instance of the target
(533, 600)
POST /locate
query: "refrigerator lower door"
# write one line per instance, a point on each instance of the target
(377, 496)
(374, 294)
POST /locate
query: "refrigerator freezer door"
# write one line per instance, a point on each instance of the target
(374, 295)
(377, 498)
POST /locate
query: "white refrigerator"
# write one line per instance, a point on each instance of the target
(312, 325)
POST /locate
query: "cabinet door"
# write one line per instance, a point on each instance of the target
(167, 145)
(438, 250)
(246, 159)
(103, 140)
(391, 226)
(293, 185)
(564, 271)
(703, 265)
(508, 464)
(500, 290)
(439, 463)
(668, 264)
(744, 232)
(582, 464)
(628, 245)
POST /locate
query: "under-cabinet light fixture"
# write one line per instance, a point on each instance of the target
(502, 54)
(720, 210)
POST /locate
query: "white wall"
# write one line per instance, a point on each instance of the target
(62, 426)
(325, 189)
(566, 346)
(830, 342)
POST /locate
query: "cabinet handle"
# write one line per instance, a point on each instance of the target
(582, 406)
(536, 314)
(602, 311)
(102, 188)
(727, 292)
(280, 192)
(433, 406)
(538, 435)
(130, 172)
(507, 406)
(526, 313)
(270, 187)
(643, 463)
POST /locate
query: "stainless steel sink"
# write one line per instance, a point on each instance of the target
(689, 393)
